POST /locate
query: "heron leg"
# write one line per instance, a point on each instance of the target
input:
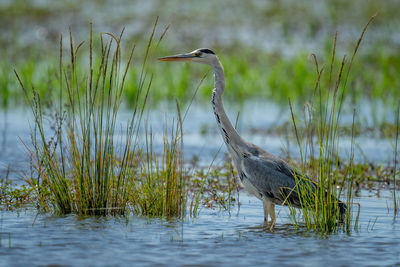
(269, 210)
(272, 213)
(266, 206)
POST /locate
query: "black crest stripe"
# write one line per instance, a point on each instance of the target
(206, 50)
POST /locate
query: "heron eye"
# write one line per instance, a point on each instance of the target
(198, 54)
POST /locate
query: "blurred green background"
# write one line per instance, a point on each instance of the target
(265, 46)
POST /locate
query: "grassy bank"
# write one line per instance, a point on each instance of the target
(249, 74)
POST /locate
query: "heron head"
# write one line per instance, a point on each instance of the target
(201, 55)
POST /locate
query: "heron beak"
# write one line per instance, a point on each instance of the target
(180, 57)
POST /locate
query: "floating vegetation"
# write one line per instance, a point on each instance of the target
(14, 197)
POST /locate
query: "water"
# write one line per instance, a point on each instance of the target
(16, 125)
(213, 239)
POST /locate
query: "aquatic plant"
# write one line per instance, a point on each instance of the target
(12, 196)
(162, 185)
(321, 207)
(83, 168)
(77, 169)
(219, 192)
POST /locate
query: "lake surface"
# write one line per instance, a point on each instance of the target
(201, 138)
(213, 239)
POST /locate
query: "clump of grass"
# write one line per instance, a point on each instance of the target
(82, 168)
(77, 169)
(320, 198)
(162, 185)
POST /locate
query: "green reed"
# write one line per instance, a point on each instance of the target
(82, 168)
(162, 185)
(320, 197)
(78, 170)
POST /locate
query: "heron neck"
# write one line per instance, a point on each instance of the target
(228, 132)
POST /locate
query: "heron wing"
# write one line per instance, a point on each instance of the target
(273, 178)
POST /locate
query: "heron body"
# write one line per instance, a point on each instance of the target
(263, 175)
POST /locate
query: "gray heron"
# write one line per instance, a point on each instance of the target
(269, 178)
